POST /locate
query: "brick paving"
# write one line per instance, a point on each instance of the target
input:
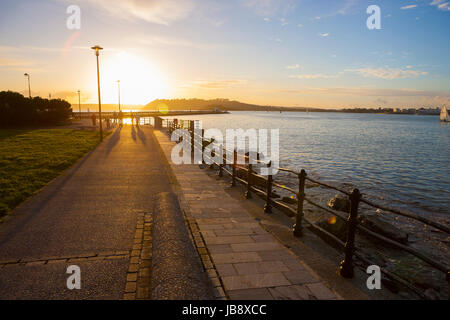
(138, 283)
(244, 260)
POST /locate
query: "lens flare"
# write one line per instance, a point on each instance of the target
(163, 108)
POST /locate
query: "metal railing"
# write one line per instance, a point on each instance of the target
(265, 190)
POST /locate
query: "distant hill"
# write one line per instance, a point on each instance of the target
(221, 104)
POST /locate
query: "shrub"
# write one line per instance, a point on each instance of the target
(15, 110)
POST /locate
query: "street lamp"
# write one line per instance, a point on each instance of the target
(97, 53)
(118, 83)
(79, 103)
(29, 87)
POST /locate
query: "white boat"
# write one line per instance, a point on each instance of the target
(444, 114)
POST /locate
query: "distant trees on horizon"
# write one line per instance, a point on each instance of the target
(17, 110)
(212, 104)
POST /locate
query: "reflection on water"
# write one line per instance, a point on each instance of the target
(400, 160)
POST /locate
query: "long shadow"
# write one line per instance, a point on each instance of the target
(133, 133)
(113, 140)
(142, 136)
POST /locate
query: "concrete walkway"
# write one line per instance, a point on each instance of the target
(243, 260)
(97, 215)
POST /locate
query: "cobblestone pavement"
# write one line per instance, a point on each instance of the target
(96, 215)
(243, 260)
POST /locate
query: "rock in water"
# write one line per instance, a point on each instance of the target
(339, 203)
(384, 228)
(336, 226)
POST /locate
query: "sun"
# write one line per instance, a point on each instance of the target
(140, 81)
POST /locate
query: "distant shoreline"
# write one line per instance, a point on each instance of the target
(197, 105)
(225, 111)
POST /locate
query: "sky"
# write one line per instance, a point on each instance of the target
(304, 53)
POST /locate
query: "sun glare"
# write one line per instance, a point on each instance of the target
(140, 81)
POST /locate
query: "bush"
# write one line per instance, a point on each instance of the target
(16, 110)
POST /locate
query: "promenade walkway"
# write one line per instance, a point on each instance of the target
(243, 260)
(97, 215)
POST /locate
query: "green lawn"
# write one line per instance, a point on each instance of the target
(29, 159)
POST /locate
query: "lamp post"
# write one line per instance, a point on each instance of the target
(118, 83)
(97, 53)
(79, 103)
(29, 87)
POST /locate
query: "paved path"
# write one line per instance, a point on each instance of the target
(243, 260)
(97, 215)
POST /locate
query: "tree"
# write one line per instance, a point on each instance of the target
(15, 110)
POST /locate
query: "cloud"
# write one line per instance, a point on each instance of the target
(175, 42)
(283, 22)
(216, 84)
(10, 58)
(269, 7)
(371, 92)
(324, 34)
(314, 76)
(155, 11)
(346, 7)
(441, 4)
(387, 73)
(412, 6)
(72, 96)
(299, 25)
(6, 62)
(294, 66)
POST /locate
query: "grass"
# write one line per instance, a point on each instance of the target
(30, 159)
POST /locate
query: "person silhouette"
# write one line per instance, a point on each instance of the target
(121, 117)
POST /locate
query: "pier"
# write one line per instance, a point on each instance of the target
(143, 114)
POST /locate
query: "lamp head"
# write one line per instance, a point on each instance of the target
(26, 75)
(97, 49)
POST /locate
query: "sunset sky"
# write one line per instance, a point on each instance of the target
(309, 53)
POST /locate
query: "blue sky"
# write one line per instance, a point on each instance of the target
(311, 53)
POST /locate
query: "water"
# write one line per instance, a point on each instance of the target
(399, 160)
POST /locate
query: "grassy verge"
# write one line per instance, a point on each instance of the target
(29, 159)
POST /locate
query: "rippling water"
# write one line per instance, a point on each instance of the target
(400, 160)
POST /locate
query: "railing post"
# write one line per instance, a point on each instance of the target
(248, 194)
(192, 131)
(221, 164)
(233, 177)
(300, 199)
(202, 147)
(346, 267)
(267, 206)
